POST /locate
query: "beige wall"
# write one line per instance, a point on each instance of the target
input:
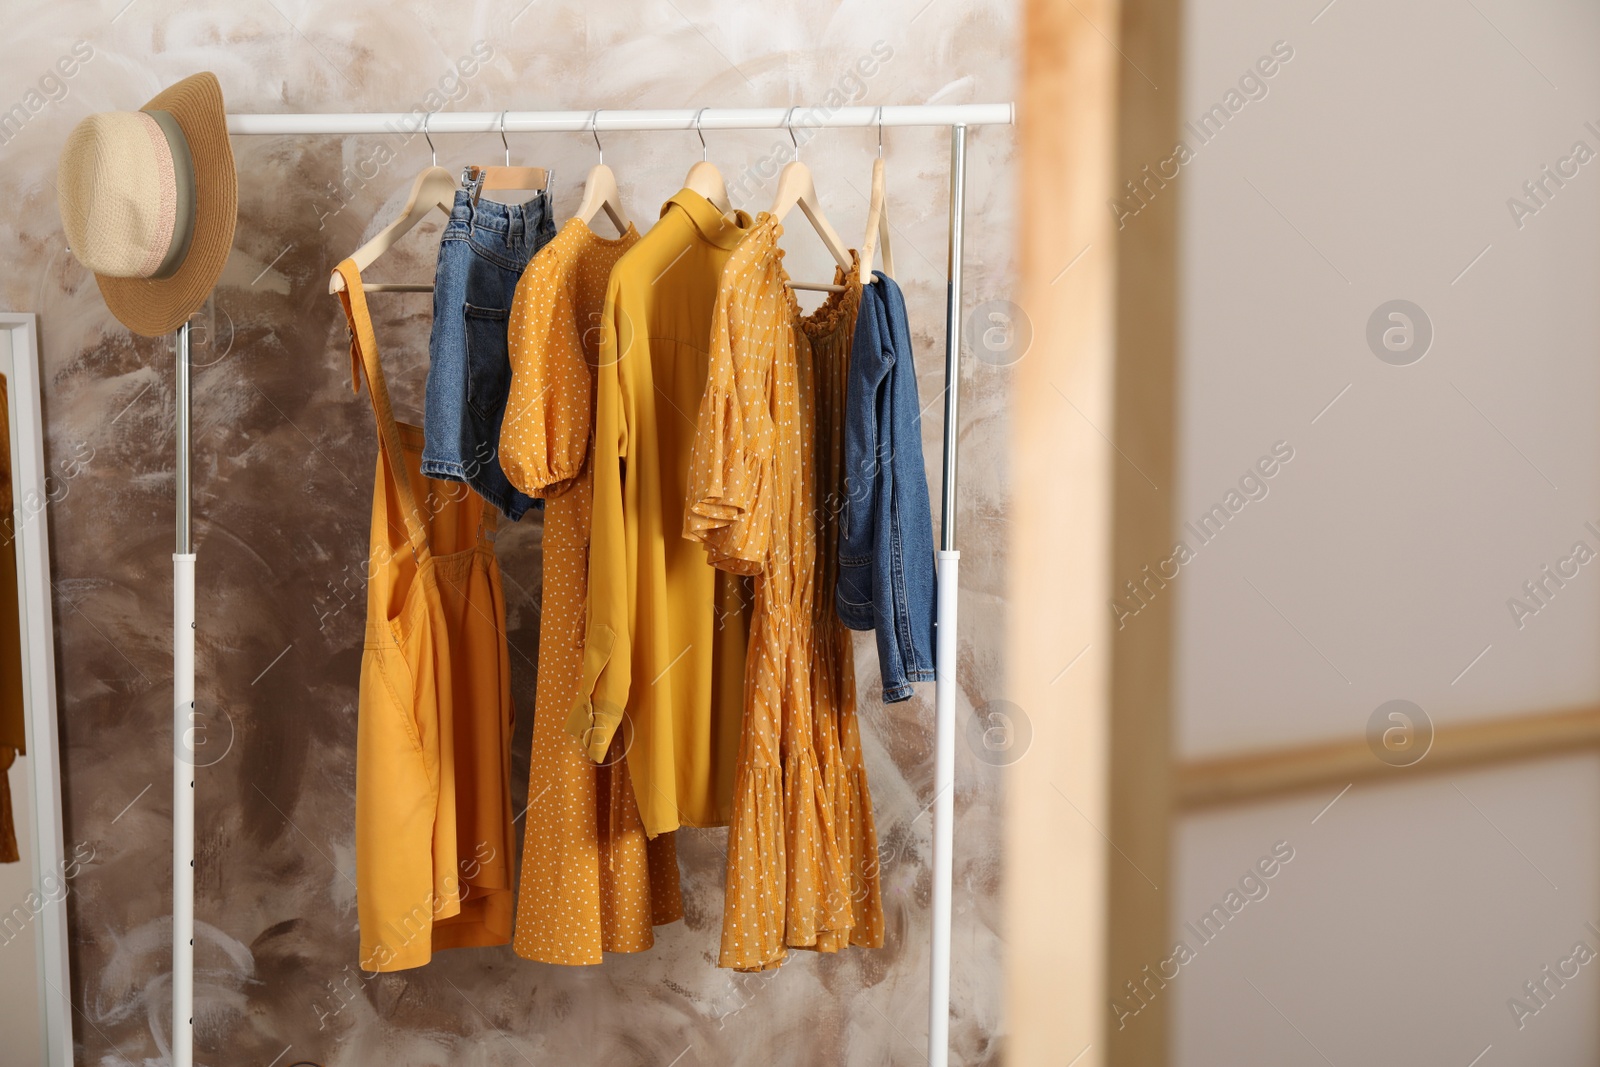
(283, 461)
(1379, 565)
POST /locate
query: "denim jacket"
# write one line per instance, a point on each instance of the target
(886, 560)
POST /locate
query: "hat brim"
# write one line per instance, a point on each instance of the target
(155, 306)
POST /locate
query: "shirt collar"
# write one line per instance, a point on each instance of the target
(711, 223)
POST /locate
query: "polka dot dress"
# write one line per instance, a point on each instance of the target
(591, 881)
(802, 849)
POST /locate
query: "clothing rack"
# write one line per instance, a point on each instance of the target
(957, 117)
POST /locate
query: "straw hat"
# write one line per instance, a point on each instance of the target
(148, 201)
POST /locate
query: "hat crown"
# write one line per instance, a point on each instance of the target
(148, 202)
(119, 194)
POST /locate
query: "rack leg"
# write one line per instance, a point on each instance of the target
(943, 811)
(944, 773)
(185, 738)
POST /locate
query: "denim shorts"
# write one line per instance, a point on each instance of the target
(481, 257)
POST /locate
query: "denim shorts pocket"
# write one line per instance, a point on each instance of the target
(488, 360)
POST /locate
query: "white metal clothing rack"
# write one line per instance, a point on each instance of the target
(955, 116)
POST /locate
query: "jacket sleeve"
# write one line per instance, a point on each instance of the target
(865, 458)
(607, 654)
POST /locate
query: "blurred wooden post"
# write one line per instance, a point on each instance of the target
(1144, 493)
(1083, 915)
(1059, 556)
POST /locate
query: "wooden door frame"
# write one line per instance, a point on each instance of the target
(1089, 807)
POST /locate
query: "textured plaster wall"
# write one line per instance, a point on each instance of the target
(283, 463)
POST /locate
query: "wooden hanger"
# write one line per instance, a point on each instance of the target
(600, 191)
(706, 179)
(476, 180)
(434, 188)
(877, 219)
(795, 186)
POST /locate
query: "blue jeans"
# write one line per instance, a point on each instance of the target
(481, 257)
(887, 578)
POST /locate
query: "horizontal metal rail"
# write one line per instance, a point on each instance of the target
(607, 120)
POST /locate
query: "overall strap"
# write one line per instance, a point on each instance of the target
(364, 357)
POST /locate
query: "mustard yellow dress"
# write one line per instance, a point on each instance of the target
(665, 634)
(591, 881)
(802, 849)
(434, 832)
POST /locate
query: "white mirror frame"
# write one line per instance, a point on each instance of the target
(29, 516)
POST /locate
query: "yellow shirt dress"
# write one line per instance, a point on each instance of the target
(665, 639)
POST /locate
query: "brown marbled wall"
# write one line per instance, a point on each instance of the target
(284, 458)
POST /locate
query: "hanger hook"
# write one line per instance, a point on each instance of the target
(503, 138)
(788, 122)
(594, 131)
(698, 133)
(432, 150)
(880, 131)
